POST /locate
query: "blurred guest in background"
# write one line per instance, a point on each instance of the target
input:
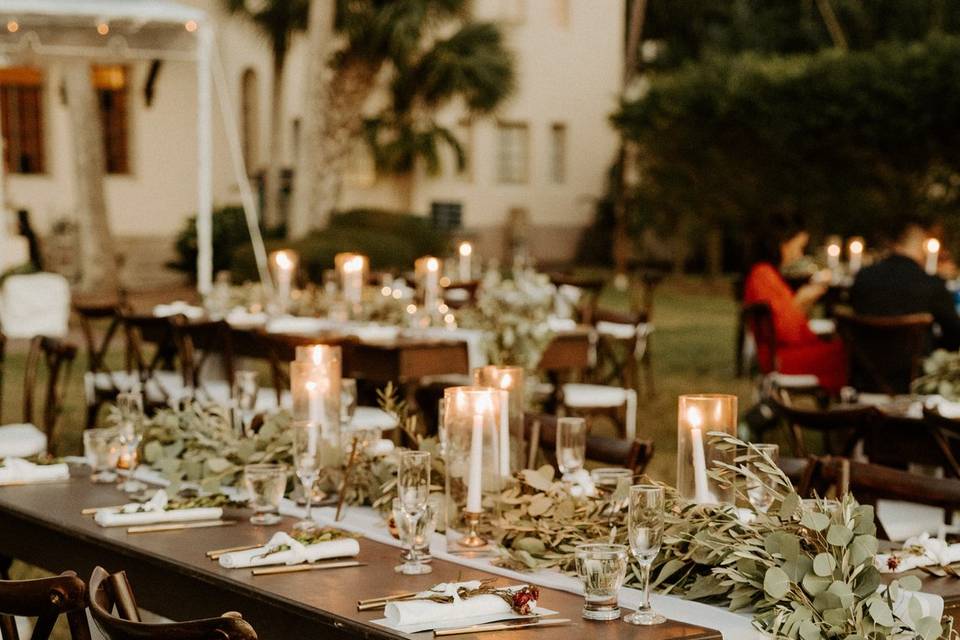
(898, 285)
(799, 350)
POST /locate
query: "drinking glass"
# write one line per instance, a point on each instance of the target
(571, 444)
(645, 526)
(758, 491)
(413, 494)
(129, 437)
(102, 449)
(266, 483)
(130, 405)
(601, 568)
(246, 391)
(348, 401)
(307, 455)
(415, 534)
(610, 477)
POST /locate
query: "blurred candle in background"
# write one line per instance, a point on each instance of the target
(284, 264)
(466, 264)
(931, 249)
(856, 248)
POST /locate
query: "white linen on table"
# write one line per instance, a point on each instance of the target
(243, 319)
(19, 471)
(374, 332)
(372, 418)
(298, 553)
(21, 441)
(903, 520)
(300, 325)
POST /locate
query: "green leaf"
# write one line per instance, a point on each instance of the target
(929, 628)
(814, 584)
(881, 613)
(862, 549)
(826, 600)
(789, 506)
(910, 583)
(776, 583)
(842, 590)
(867, 582)
(539, 505)
(839, 535)
(537, 480)
(809, 630)
(534, 546)
(218, 465)
(152, 452)
(824, 564)
(814, 520)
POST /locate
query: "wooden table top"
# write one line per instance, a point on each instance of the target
(171, 576)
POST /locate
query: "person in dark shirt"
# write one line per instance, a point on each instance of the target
(898, 285)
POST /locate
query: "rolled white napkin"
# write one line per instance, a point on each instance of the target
(19, 471)
(415, 612)
(921, 551)
(178, 307)
(298, 553)
(153, 512)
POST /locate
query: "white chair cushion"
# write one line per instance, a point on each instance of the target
(559, 325)
(21, 441)
(618, 330)
(794, 380)
(163, 385)
(584, 396)
(179, 308)
(823, 326)
(37, 304)
(218, 392)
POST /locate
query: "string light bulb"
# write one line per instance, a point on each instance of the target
(13, 26)
(103, 28)
(190, 26)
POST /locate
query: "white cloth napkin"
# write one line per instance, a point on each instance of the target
(153, 512)
(178, 307)
(21, 441)
(558, 325)
(298, 553)
(19, 471)
(921, 551)
(415, 612)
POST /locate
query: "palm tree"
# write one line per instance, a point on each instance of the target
(278, 20)
(427, 72)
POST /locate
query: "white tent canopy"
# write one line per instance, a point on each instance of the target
(144, 30)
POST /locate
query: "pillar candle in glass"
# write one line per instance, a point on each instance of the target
(931, 251)
(473, 479)
(834, 250)
(465, 266)
(315, 387)
(698, 416)
(352, 269)
(283, 264)
(427, 271)
(855, 253)
(510, 380)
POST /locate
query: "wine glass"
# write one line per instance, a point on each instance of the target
(348, 401)
(413, 493)
(130, 435)
(307, 456)
(645, 526)
(758, 491)
(246, 391)
(571, 444)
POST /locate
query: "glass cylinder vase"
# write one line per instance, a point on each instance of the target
(315, 387)
(508, 380)
(283, 268)
(427, 271)
(473, 480)
(699, 416)
(352, 269)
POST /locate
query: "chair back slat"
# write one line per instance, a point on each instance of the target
(200, 343)
(846, 423)
(885, 352)
(103, 601)
(45, 599)
(758, 319)
(168, 353)
(541, 433)
(57, 358)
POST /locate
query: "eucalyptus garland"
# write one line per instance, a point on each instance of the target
(941, 375)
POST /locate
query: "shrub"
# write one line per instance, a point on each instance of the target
(229, 233)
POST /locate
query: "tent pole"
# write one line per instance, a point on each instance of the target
(204, 160)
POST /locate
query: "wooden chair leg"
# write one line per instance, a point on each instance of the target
(5, 564)
(79, 626)
(8, 628)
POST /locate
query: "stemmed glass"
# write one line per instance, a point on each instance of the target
(246, 390)
(130, 434)
(100, 446)
(645, 526)
(348, 401)
(571, 444)
(758, 490)
(307, 458)
(413, 492)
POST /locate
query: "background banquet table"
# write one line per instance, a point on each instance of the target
(171, 575)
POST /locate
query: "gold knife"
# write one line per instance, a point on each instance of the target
(502, 626)
(180, 526)
(306, 567)
(381, 602)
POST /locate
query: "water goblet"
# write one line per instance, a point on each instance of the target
(129, 438)
(307, 459)
(265, 483)
(413, 479)
(414, 529)
(246, 390)
(571, 444)
(101, 447)
(601, 568)
(130, 405)
(645, 526)
(348, 401)
(758, 489)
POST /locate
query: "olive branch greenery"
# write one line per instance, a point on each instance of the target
(941, 375)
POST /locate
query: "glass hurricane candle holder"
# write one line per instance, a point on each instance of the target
(427, 270)
(700, 415)
(473, 480)
(855, 249)
(352, 270)
(283, 268)
(315, 387)
(509, 380)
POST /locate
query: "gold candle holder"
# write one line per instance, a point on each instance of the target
(472, 539)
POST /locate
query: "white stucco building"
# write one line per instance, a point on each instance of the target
(546, 151)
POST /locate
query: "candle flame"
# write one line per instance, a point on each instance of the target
(833, 250)
(466, 249)
(694, 418)
(506, 381)
(353, 264)
(283, 260)
(433, 264)
(856, 246)
(933, 245)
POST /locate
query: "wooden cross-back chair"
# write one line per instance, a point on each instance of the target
(885, 352)
(99, 381)
(200, 344)
(945, 433)
(541, 434)
(57, 356)
(113, 591)
(45, 599)
(156, 373)
(757, 318)
(848, 423)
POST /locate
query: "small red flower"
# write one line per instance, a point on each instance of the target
(525, 600)
(893, 562)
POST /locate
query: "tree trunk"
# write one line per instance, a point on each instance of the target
(97, 256)
(271, 209)
(308, 181)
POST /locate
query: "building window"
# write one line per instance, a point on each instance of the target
(250, 118)
(513, 153)
(21, 105)
(110, 83)
(558, 153)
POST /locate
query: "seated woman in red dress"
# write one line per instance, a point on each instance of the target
(799, 350)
